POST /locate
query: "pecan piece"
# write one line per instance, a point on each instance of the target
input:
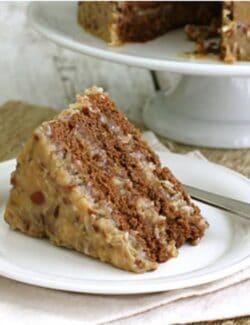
(13, 180)
(37, 198)
(36, 136)
(66, 200)
(56, 211)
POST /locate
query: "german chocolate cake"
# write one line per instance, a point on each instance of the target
(87, 181)
(118, 22)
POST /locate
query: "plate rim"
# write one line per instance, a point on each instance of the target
(91, 285)
(191, 67)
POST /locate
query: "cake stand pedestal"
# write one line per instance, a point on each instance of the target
(203, 111)
(209, 107)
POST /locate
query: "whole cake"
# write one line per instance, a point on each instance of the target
(87, 181)
(118, 22)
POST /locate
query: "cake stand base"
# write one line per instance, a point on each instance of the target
(203, 111)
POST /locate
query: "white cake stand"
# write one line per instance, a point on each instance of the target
(210, 106)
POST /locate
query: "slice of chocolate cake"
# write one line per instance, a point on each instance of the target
(87, 181)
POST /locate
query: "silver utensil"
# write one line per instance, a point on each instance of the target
(239, 208)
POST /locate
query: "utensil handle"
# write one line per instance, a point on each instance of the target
(237, 207)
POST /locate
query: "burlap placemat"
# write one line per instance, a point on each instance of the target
(18, 119)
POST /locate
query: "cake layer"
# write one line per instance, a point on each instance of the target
(90, 183)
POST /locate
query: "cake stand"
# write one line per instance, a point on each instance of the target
(208, 106)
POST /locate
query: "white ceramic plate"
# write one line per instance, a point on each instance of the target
(223, 251)
(58, 22)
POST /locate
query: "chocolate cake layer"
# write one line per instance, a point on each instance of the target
(141, 22)
(95, 186)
